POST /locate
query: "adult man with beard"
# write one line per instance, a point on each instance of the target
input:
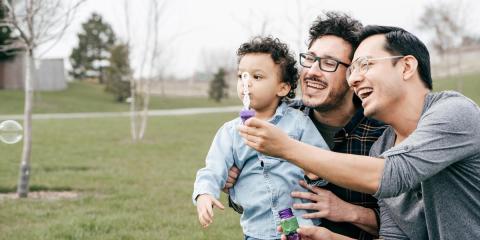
(338, 115)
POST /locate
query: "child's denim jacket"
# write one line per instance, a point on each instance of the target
(264, 185)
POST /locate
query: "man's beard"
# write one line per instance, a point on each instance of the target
(333, 100)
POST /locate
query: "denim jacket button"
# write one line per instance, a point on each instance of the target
(261, 163)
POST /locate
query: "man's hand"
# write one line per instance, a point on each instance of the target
(205, 204)
(265, 137)
(232, 178)
(311, 233)
(326, 204)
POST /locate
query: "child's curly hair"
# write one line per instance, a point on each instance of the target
(280, 55)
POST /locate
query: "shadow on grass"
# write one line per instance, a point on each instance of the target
(36, 188)
(67, 168)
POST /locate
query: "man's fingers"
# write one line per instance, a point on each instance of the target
(254, 122)
(217, 204)
(308, 231)
(306, 206)
(319, 214)
(235, 170)
(232, 176)
(248, 138)
(249, 131)
(230, 181)
(314, 189)
(306, 195)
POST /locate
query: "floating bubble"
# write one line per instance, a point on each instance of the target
(10, 132)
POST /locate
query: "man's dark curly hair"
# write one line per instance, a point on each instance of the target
(280, 55)
(336, 24)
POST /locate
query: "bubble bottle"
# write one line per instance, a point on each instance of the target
(289, 224)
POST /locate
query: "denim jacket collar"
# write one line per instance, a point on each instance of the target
(281, 109)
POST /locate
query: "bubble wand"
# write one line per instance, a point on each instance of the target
(246, 112)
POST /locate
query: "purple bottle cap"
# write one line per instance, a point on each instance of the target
(285, 213)
(293, 236)
(246, 114)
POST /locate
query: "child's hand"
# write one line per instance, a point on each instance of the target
(205, 204)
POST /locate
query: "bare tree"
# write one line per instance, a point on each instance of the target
(133, 85)
(299, 16)
(152, 66)
(447, 22)
(38, 22)
(255, 24)
(214, 59)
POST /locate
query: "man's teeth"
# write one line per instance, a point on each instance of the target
(364, 92)
(315, 84)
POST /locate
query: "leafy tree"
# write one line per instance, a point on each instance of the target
(7, 36)
(91, 55)
(218, 86)
(118, 73)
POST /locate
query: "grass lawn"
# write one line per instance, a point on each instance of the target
(471, 85)
(127, 191)
(88, 97)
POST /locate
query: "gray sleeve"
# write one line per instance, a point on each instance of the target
(388, 228)
(448, 132)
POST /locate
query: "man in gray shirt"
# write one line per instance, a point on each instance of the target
(425, 169)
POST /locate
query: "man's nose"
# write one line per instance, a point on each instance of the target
(315, 69)
(354, 79)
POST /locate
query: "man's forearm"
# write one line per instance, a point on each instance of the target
(359, 173)
(365, 219)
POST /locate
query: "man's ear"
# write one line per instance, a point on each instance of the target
(284, 89)
(410, 67)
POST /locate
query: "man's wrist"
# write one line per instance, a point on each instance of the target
(354, 213)
(288, 150)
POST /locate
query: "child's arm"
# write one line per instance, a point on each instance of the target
(205, 204)
(211, 179)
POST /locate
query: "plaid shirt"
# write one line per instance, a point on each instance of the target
(357, 137)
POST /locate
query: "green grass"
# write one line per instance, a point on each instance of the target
(471, 85)
(128, 191)
(89, 97)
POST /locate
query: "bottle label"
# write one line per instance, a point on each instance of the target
(289, 225)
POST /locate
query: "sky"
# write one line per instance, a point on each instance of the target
(197, 34)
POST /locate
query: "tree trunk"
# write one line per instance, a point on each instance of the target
(459, 75)
(146, 102)
(133, 109)
(22, 189)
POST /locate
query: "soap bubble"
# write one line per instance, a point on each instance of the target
(10, 132)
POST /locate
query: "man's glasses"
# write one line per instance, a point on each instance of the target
(326, 64)
(361, 65)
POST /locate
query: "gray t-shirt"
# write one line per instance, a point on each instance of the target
(430, 186)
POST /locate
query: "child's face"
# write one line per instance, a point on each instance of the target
(265, 84)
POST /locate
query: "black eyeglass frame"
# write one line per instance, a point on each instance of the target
(319, 59)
